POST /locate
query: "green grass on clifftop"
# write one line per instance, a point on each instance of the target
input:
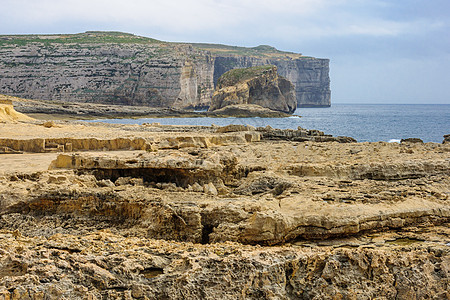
(234, 76)
(259, 51)
(89, 37)
(113, 37)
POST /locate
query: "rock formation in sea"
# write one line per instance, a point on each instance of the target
(446, 139)
(120, 68)
(256, 85)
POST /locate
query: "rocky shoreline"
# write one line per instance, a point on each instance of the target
(88, 111)
(104, 211)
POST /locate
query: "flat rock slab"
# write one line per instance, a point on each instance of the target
(256, 194)
(25, 163)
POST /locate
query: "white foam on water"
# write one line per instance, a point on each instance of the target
(394, 141)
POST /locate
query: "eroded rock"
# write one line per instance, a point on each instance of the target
(256, 85)
(72, 266)
(286, 219)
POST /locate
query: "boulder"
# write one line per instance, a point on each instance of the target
(246, 111)
(411, 141)
(257, 85)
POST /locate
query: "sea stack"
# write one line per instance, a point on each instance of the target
(256, 85)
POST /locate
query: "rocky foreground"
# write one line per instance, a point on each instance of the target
(92, 211)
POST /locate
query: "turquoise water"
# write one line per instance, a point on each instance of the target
(364, 122)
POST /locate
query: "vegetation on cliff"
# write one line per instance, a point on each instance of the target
(234, 76)
(261, 51)
(89, 37)
(115, 37)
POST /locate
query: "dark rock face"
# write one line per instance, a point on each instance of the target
(140, 72)
(411, 141)
(300, 135)
(257, 85)
(246, 111)
(446, 139)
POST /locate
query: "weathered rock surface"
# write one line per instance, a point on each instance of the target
(245, 219)
(256, 85)
(77, 111)
(8, 113)
(411, 140)
(101, 264)
(245, 111)
(95, 137)
(301, 135)
(123, 69)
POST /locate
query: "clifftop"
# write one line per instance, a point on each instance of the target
(259, 51)
(114, 37)
(88, 37)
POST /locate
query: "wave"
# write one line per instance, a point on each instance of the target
(394, 141)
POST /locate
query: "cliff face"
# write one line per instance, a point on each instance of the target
(117, 68)
(257, 85)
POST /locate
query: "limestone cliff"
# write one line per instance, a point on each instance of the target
(120, 68)
(257, 85)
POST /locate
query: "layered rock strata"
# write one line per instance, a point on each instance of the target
(257, 85)
(249, 218)
(61, 137)
(105, 265)
(119, 68)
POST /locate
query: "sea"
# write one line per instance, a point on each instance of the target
(364, 122)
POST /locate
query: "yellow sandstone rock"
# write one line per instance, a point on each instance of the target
(8, 113)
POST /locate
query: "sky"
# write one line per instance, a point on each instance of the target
(380, 51)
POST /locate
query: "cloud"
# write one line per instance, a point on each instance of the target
(284, 19)
(174, 14)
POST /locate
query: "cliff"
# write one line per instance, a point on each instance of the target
(120, 68)
(257, 85)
